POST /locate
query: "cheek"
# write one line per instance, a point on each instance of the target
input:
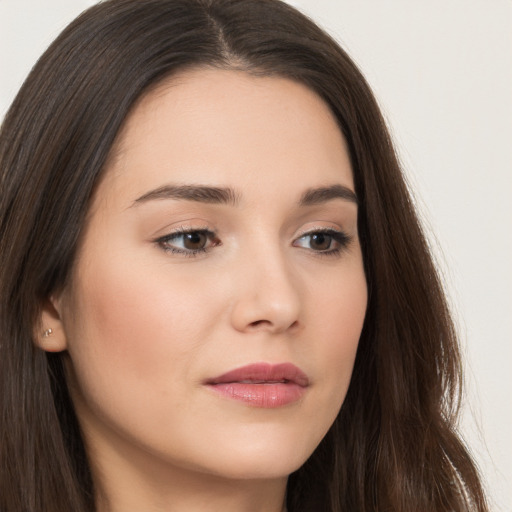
(339, 312)
(132, 331)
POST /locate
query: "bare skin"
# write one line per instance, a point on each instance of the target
(177, 283)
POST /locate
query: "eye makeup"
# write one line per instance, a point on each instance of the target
(324, 241)
(188, 242)
(192, 242)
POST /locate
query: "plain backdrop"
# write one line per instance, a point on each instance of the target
(442, 72)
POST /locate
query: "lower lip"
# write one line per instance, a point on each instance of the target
(268, 396)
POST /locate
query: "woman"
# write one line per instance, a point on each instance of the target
(215, 293)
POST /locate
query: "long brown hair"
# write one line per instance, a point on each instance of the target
(393, 446)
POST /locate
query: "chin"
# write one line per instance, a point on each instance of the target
(264, 467)
(264, 458)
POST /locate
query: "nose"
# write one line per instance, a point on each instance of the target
(267, 296)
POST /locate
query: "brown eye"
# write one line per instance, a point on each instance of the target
(328, 242)
(189, 243)
(195, 241)
(320, 242)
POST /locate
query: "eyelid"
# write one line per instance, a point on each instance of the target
(339, 235)
(321, 229)
(184, 230)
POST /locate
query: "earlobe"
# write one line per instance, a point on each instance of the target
(50, 335)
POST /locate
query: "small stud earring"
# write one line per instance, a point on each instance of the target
(47, 333)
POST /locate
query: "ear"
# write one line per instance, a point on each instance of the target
(50, 335)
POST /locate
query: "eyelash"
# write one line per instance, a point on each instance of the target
(341, 238)
(182, 232)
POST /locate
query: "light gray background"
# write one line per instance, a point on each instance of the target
(442, 71)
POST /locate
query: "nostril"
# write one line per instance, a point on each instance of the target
(294, 325)
(268, 324)
(257, 323)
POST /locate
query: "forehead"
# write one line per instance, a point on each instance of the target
(225, 127)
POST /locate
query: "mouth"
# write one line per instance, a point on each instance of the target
(262, 385)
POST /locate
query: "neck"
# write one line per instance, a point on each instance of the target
(192, 493)
(130, 482)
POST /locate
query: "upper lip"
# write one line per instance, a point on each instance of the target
(262, 373)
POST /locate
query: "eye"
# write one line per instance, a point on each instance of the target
(326, 241)
(189, 242)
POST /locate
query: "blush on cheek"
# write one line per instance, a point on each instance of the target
(137, 321)
(346, 313)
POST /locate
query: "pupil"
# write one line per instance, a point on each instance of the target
(320, 241)
(195, 240)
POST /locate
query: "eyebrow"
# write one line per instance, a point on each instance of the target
(227, 195)
(314, 196)
(199, 193)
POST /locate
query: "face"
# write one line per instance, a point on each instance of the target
(215, 307)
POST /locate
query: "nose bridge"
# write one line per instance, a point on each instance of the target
(267, 295)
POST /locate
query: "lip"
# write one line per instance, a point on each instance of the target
(262, 384)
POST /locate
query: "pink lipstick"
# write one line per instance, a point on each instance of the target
(262, 384)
